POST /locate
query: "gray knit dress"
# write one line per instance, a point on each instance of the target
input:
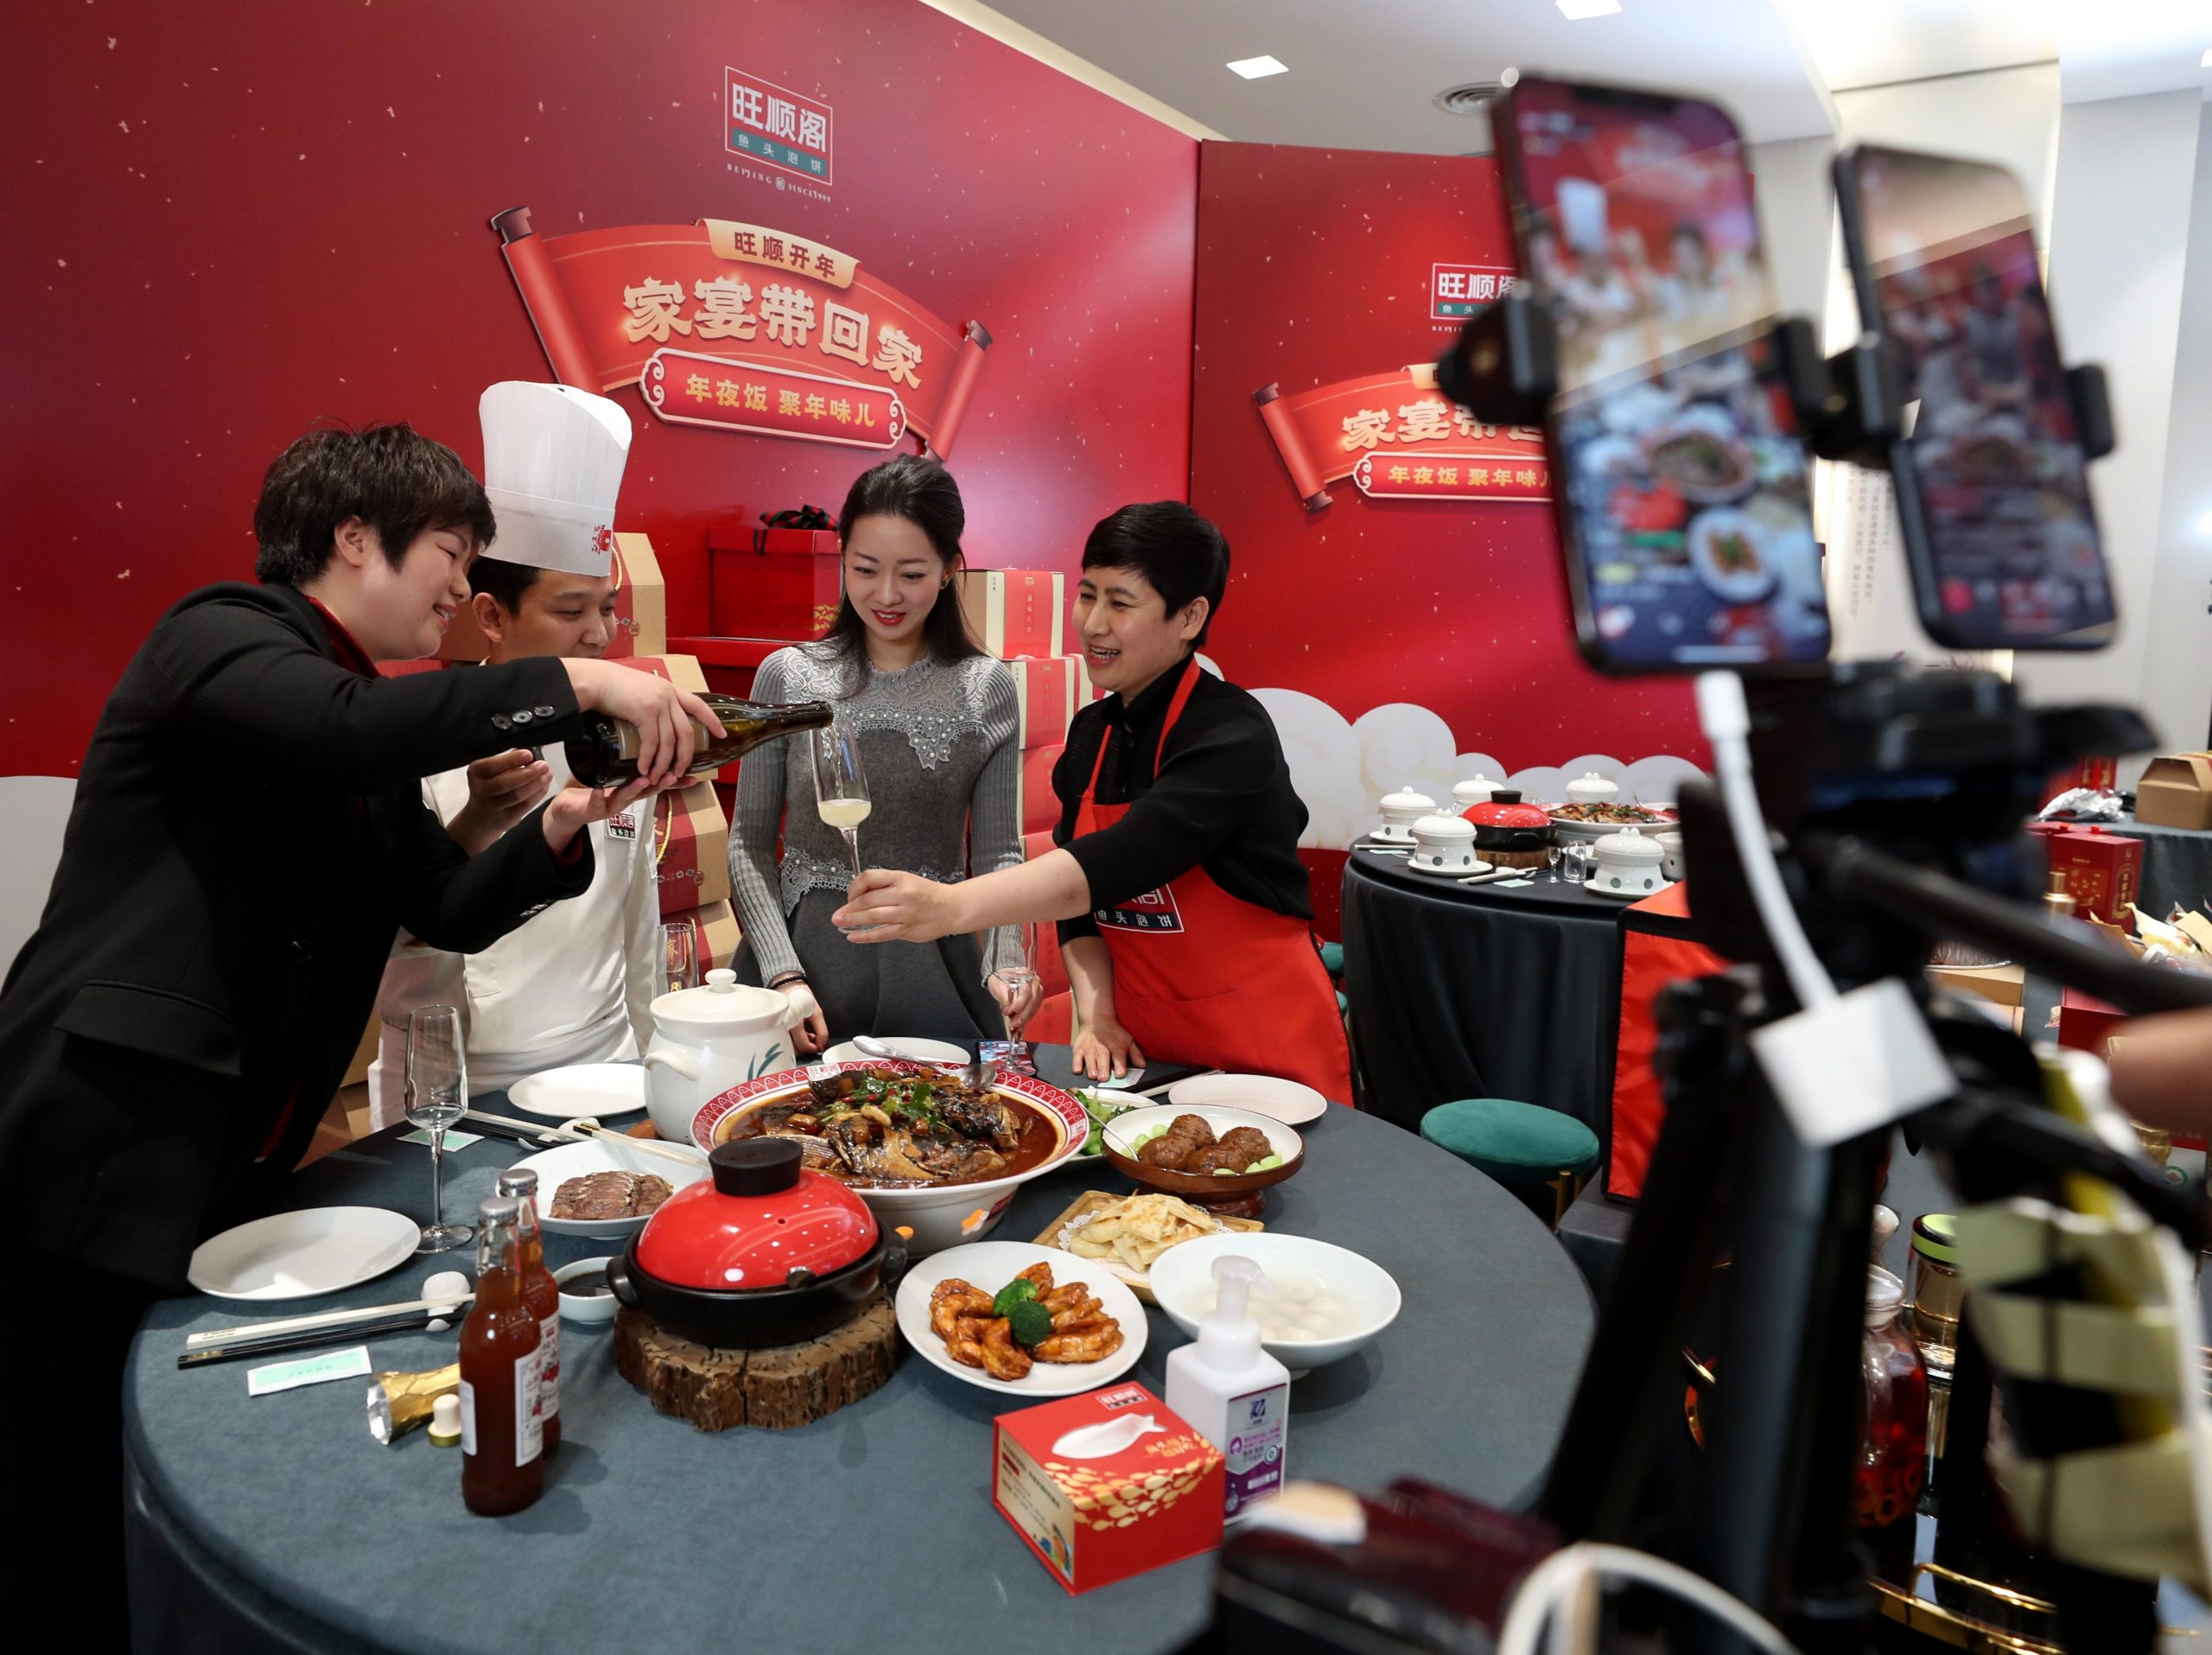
(940, 746)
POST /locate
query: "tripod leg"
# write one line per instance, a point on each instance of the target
(1599, 1472)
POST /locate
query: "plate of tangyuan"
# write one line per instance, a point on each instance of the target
(602, 1189)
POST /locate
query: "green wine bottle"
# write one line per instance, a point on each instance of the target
(604, 752)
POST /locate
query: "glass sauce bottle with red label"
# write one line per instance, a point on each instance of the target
(502, 1440)
(542, 1294)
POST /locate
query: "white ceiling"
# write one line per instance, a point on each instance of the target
(1361, 73)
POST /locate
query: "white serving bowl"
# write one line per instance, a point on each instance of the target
(938, 1216)
(1182, 1283)
(914, 1051)
(605, 1153)
(577, 1306)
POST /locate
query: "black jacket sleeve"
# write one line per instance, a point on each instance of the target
(463, 903)
(248, 692)
(1068, 785)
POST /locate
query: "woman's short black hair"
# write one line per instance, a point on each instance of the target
(393, 478)
(919, 489)
(1179, 552)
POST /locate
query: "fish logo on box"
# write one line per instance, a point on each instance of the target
(767, 123)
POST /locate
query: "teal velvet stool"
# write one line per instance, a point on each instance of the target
(1520, 1145)
(1332, 960)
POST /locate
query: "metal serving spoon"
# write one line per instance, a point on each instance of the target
(975, 1074)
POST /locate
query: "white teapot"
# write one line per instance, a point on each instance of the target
(708, 1040)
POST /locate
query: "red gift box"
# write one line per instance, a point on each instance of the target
(772, 583)
(2085, 1023)
(1094, 1517)
(1013, 611)
(2103, 871)
(1046, 687)
(1041, 805)
(690, 846)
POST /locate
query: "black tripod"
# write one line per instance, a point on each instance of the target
(1902, 793)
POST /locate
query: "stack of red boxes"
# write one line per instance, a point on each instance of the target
(2103, 870)
(1020, 615)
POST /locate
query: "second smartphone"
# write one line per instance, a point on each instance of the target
(1992, 485)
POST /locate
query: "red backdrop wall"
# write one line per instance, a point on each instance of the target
(1314, 266)
(226, 221)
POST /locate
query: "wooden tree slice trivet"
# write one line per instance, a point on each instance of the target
(773, 1389)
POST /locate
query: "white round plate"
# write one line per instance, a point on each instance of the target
(1596, 889)
(1420, 867)
(914, 1051)
(299, 1255)
(582, 1089)
(1738, 585)
(606, 1154)
(1263, 1094)
(990, 1265)
(1388, 835)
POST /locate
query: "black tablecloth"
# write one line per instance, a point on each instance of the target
(266, 1524)
(2177, 866)
(1478, 990)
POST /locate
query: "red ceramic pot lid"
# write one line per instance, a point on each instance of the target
(1503, 809)
(759, 1218)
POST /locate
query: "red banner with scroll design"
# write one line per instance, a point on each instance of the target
(717, 294)
(1395, 436)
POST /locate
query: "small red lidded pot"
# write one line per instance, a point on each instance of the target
(765, 1252)
(1508, 833)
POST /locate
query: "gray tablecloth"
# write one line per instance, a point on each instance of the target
(277, 1523)
(2177, 866)
(1479, 990)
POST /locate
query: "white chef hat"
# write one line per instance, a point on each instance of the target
(553, 460)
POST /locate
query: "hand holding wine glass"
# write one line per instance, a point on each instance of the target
(1013, 982)
(437, 1097)
(841, 784)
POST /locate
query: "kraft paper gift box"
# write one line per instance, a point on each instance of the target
(690, 847)
(640, 608)
(2175, 791)
(716, 934)
(1015, 611)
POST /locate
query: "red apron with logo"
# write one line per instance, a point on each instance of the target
(1203, 976)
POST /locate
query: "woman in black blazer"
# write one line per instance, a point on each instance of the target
(247, 835)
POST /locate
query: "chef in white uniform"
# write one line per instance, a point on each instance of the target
(573, 984)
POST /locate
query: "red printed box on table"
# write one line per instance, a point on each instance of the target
(2103, 870)
(1015, 611)
(2085, 1023)
(1044, 687)
(772, 583)
(1106, 1485)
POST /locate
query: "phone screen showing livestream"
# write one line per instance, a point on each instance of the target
(1687, 482)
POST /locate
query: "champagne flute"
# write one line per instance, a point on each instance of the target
(680, 955)
(1017, 968)
(841, 787)
(437, 1097)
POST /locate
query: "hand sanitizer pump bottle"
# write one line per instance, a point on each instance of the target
(1232, 1392)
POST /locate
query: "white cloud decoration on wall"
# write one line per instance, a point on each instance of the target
(1342, 768)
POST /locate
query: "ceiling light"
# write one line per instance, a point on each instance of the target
(1256, 68)
(2205, 63)
(1575, 10)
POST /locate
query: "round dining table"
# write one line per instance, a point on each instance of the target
(278, 1523)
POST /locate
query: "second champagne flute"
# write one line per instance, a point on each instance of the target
(437, 1097)
(841, 787)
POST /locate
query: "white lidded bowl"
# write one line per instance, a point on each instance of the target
(1445, 844)
(1476, 790)
(1182, 1282)
(1399, 812)
(1671, 863)
(1591, 789)
(1628, 863)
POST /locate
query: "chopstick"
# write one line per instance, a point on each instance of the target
(207, 1355)
(585, 1134)
(1498, 873)
(323, 1319)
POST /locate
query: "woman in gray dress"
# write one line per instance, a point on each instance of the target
(938, 723)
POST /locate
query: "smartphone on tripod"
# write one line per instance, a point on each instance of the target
(1992, 482)
(1681, 484)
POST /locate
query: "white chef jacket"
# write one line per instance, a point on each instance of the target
(574, 983)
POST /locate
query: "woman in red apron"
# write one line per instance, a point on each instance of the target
(1185, 915)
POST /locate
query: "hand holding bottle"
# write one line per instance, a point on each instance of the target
(663, 714)
(577, 807)
(502, 790)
